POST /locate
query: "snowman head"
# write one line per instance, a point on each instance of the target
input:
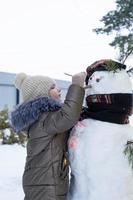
(107, 77)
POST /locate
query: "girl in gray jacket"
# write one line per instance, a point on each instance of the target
(46, 122)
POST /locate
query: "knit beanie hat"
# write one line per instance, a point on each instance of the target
(31, 87)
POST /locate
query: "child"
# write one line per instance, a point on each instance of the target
(46, 122)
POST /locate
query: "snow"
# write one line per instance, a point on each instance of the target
(97, 159)
(109, 83)
(11, 170)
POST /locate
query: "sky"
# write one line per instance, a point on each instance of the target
(50, 37)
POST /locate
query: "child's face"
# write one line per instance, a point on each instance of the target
(55, 92)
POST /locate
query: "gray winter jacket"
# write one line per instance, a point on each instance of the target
(46, 171)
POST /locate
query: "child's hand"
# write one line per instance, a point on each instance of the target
(79, 79)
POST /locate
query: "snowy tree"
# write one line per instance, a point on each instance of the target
(7, 134)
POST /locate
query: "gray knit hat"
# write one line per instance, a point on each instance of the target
(33, 86)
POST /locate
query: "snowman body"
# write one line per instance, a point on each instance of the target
(99, 168)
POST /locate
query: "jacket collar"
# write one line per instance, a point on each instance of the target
(29, 112)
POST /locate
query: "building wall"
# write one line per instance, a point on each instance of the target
(9, 96)
(7, 90)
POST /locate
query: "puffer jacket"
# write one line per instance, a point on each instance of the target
(46, 170)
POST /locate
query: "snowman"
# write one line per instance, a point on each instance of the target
(101, 143)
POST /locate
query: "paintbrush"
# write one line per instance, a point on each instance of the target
(67, 74)
(85, 87)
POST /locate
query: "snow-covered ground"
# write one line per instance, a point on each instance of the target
(11, 169)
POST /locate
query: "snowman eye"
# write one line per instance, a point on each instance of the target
(97, 79)
(91, 77)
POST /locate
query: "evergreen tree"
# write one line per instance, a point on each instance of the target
(120, 22)
(4, 119)
(7, 134)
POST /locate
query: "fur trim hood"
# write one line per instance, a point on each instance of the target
(29, 112)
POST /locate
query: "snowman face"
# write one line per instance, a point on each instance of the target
(105, 82)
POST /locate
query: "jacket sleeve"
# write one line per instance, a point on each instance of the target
(66, 117)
